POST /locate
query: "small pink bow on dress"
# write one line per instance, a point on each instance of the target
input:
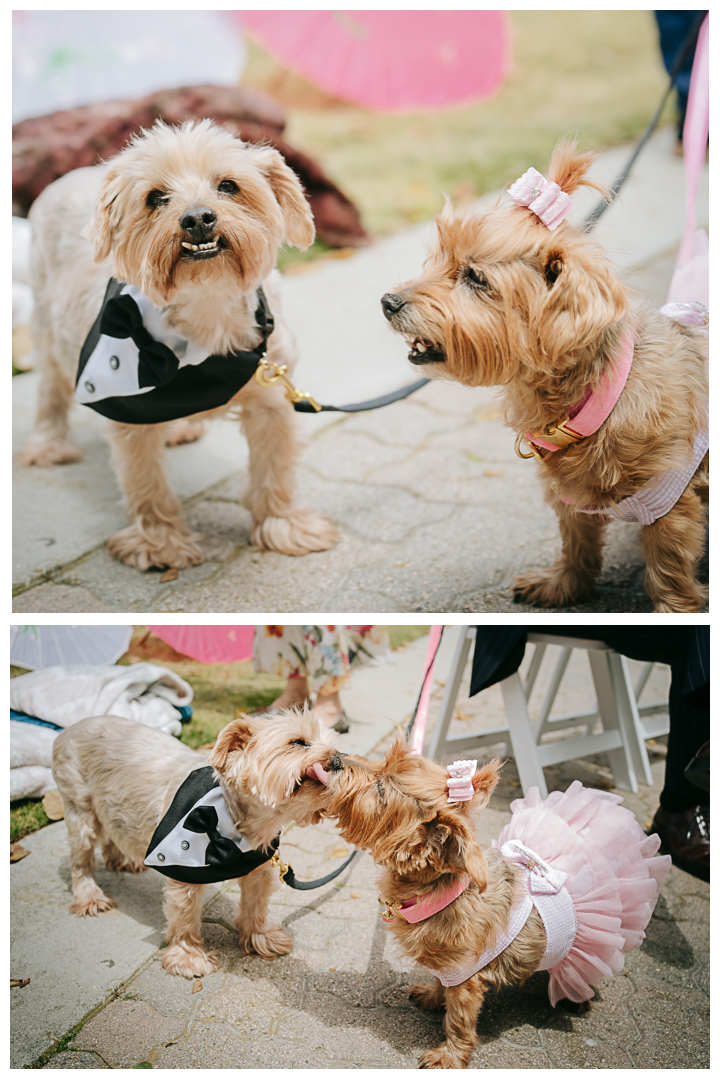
(544, 197)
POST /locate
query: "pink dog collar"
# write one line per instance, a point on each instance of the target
(418, 908)
(590, 414)
(544, 197)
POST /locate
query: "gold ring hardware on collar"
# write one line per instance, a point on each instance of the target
(390, 909)
(559, 434)
(277, 861)
(269, 374)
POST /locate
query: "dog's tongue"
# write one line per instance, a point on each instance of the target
(318, 773)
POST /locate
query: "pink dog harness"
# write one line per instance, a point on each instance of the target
(546, 893)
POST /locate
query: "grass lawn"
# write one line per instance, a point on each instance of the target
(596, 74)
(221, 692)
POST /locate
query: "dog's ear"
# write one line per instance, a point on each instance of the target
(299, 224)
(584, 298)
(102, 228)
(234, 737)
(448, 844)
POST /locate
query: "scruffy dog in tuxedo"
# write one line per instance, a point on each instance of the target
(118, 780)
(192, 218)
(514, 298)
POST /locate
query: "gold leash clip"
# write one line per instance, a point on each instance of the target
(269, 374)
(277, 861)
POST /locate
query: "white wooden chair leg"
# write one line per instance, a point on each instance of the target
(521, 735)
(630, 717)
(621, 761)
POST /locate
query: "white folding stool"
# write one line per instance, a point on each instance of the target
(625, 725)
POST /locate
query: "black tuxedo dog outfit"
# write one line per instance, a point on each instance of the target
(197, 842)
(136, 370)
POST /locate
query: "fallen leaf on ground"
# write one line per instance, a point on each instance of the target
(356, 895)
(493, 472)
(197, 985)
(17, 852)
(170, 575)
(647, 824)
(53, 805)
(337, 852)
(19, 982)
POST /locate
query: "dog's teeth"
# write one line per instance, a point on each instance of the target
(186, 245)
(421, 347)
(195, 247)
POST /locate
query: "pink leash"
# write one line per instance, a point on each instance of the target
(418, 734)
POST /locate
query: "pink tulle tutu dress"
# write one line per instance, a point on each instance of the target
(613, 877)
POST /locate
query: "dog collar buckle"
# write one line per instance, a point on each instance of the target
(391, 910)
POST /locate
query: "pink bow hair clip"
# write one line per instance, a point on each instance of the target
(544, 197)
(459, 782)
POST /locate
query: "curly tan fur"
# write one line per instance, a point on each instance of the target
(398, 810)
(542, 314)
(117, 779)
(212, 303)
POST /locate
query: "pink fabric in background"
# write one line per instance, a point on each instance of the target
(209, 644)
(691, 279)
(392, 61)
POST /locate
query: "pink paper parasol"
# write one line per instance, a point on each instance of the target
(392, 61)
(209, 644)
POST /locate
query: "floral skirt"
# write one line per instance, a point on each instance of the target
(323, 654)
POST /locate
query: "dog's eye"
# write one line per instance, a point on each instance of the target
(229, 187)
(299, 742)
(476, 278)
(157, 198)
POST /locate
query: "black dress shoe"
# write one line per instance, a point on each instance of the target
(685, 836)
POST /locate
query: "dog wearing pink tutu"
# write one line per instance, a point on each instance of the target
(568, 887)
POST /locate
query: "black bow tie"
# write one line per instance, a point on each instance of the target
(121, 318)
(220, 850)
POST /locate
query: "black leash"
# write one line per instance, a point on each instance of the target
(411, 725)
(364, 406)
(592, 218)
(287, 874)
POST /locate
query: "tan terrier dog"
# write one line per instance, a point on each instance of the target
(481, 919)
(147, 799)
(516, 297)
(190, 219)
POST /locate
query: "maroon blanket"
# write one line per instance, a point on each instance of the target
(46, 147)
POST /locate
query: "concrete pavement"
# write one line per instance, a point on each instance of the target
(435, 510)
(98, 997)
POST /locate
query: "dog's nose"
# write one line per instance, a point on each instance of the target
(199, 223)
(391, 304)
(336, 763)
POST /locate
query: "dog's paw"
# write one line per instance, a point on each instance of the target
(122, 865)
(156, 545)
(43, 451)
(189, 961)
(302, 531)
(441, 1058)
(93, 905)
(184, 431)
(551, 589)
(273, 941)
(428, 997)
